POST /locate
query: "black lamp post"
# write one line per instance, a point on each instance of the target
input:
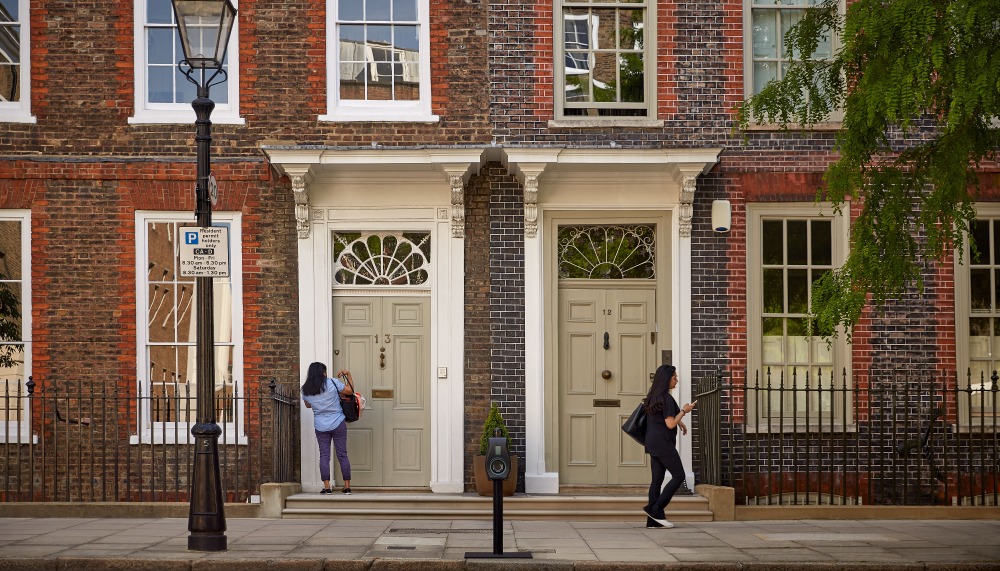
(205, 26)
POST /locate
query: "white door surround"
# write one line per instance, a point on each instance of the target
(392, 188)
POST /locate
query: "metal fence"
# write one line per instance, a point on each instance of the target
(59, 446)
(808, 440)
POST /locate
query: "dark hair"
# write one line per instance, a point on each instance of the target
(660, 388)
(315, 380)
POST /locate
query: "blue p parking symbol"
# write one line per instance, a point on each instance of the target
(190, 237)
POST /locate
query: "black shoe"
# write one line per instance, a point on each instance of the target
(345, 491)
(326, 491)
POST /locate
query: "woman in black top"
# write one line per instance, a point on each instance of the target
(663, 418)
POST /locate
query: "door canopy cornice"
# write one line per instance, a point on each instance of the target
(305, 165)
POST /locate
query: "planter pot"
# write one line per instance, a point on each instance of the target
(484, 485)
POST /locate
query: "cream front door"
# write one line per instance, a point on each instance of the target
(606, 355)
(385, 343)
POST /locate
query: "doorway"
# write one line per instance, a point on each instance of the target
(384, 342)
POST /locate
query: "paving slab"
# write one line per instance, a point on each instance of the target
(346, 544)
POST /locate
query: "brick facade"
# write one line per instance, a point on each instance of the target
(84, 171)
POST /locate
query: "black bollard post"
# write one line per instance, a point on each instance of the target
(498, 469)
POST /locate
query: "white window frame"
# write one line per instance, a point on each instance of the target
(837, 116)
(963, 312)
(20, 111)
(180, 432)
(356, 110)
(756, 213)
(648, 58)
(13, 431)
(171, 113)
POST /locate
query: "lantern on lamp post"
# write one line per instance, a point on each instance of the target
(205, 27)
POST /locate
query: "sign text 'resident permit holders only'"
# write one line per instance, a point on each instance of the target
(204, 252)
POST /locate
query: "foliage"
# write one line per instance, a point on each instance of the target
(493, 421)
(919, 85)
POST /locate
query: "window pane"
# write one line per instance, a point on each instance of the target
(10, 250)
(377, 10)
(161, 85)
(822, 250)
(774, 291)
(798, 291)
(352, 33)
(996, 288)
(981, 237)
(788, 19)
(186, 92)
(10, 46)
(979, 337)
(160, 47)
(772, 241)
(222, 295)
(379, 35)
(798, 342)
(763, 72)
(605, 77)
(772, 340)
(406, 38)
(633, 79)
(158, 12)
(350, 10)
(765, 37)
(996, 244)
(797, 242)
(979, 289)
(404, 10)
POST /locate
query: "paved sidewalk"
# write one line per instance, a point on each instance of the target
(361, 544)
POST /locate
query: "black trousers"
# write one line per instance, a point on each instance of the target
(660, 464)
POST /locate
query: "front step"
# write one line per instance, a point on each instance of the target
(386, 505)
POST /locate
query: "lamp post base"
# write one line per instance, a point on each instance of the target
(207, 542)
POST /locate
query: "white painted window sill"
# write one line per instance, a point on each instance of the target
(604, 123)
(376, 116)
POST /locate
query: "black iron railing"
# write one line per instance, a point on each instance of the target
(838, 440)
(100, 447)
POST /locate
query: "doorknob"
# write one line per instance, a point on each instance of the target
(605, 374)
(607, 341)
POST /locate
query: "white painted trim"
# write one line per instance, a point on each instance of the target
(163, 433)
(680, 273)
(13, 431)
(447, 333)
(176, 113)
(20, 111)
(537, 480)
(357, 110)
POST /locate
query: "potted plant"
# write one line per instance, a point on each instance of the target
(483, 484)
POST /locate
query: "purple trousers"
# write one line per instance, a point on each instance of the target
(339, 437)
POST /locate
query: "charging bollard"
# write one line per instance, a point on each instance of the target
(498, 470)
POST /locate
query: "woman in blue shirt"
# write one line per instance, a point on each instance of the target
(322, 395)
(663, 418)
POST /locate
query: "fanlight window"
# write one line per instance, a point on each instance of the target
(381, 258)
(607, 252)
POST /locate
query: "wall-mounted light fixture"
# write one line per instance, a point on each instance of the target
(722, 215)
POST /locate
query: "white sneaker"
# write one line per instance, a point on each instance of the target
(663, 523)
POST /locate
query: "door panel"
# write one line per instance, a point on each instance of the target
(592, 408)
(385, 342)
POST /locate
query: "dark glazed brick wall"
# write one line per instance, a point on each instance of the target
(477, 316)
(494, 308)
(507, 305)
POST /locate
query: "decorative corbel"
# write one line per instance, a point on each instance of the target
(688, 186)
(300, 191)
(530, 205)
(457, 205)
